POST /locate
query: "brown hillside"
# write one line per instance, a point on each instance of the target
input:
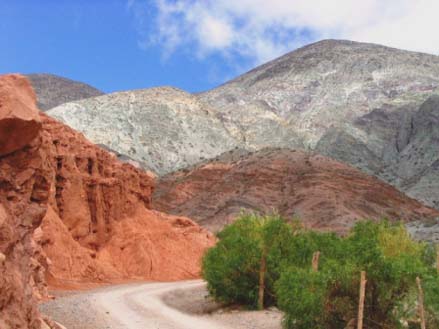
(322, 192)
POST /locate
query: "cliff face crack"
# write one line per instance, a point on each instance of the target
(97, 220)
(60, 182)
(40, 189)
(90, 164)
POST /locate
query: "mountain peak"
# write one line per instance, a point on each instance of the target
(53, 90)
(332, 52)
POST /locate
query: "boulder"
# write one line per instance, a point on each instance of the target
(19, 120)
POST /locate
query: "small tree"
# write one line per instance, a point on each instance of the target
(245, 263)
(301, 294)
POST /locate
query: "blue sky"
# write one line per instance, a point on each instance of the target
(192, 44)
(97, 42)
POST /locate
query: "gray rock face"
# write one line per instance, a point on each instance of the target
(415, 168)
(164, 128)
(425, 230)
(297, 98)
(409, 154)
(53, 90)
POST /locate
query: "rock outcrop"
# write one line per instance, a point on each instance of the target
(414, 168)
(19, 120)
(70, 212)
(100, 226)
(163, 128)
(323, 193)
(24, 194)
(53, 90)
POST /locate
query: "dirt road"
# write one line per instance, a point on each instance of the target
(142, 306)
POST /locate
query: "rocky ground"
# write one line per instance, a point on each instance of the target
(75, 310)
(197, 301)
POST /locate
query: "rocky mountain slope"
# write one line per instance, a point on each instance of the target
(416, 166)
(164, 128)
(359, 103)
(70, 212)
(53, 90)
(323, 193)
(318, 87)
(362, 104)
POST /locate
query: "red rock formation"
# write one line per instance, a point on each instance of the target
(100, 227)
(89, 212)
(19, 121)
(24, 194)
(322, 192)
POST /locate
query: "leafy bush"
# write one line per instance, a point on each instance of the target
(282, 252)
(301, 294)
(392, 262)
(232, 267)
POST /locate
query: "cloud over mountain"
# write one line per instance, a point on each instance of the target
(259, 30)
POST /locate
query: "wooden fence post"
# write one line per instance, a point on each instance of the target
(421, 303)
(315, 261)
(361, 301)
(262, 270)
(437, 258)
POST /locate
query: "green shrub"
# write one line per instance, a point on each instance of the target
(232, 267)
(302, 295)
(328, 298)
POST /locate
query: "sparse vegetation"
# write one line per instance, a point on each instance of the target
(279, 253)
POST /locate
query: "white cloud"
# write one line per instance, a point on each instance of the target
(259, 30)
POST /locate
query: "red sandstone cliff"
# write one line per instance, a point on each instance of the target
(323, 193)
(100, 227)
(71, 212)
(24, 168)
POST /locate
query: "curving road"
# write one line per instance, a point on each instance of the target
(129, 306)
(140, 307)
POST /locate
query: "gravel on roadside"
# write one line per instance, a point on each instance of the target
(197, 301)
(68, 307)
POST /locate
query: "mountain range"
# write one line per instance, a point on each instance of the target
(367, 105)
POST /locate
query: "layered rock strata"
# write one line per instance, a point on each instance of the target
(324, 193)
